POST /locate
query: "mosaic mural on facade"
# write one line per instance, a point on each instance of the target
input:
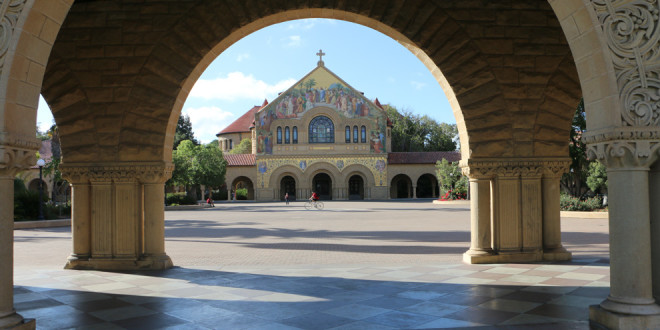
(377, 166)
(321, 88)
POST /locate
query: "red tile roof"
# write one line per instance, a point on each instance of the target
(244, 122)
(430, 157)
(240, 159)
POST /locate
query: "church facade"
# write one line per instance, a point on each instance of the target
(323, 136)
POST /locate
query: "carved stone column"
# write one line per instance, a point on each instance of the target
(118, 216)
(552, 246)
(631, 303)
(480, 218)
(16, 154)
(515, 198)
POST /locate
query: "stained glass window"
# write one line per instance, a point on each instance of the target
(348, 134)
(279, 135)
(287, 135)
(295, 134)
(355, 134)
(364, 134)
(321, 130)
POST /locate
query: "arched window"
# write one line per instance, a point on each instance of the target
(287, 135)
(321, 130)
(295, 134)
(364, 134)
(279, 135)
(355, 134)
(348, 134)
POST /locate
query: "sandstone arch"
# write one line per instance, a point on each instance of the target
(480, 61)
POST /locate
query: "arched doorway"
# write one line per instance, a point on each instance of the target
(288, 185)
(244, 184)
(427, 186)
(322, 185)
(355, 187)
(34, 186)
(401, 187)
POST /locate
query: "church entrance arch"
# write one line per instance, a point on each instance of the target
(427, 186)
(401, 187)
(288, 185)
(243, 182)
(322, 185)
(355, 187)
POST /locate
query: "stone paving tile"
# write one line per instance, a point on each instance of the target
(264, 289)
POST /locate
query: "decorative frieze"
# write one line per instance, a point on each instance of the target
(14, 160)
(491, 168)
(626, 153)
(143, 173)
(632, 31)
(10, 11)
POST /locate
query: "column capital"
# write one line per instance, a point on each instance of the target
(17, 153)
(488, 168)
(624, 147)
(146, 172)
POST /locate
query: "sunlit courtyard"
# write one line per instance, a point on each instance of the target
(353, 265)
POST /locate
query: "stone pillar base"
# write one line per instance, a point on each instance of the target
(17, 322)
(558, 254)
(500, 258)
(600, 318)
(119, 264)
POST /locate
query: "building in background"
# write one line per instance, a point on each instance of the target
(323, 136)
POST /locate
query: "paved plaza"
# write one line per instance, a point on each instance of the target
(353, 265)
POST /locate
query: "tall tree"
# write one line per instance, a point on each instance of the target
(209, 167)
(412, 132)
(184, 131)
(245, 147)
(575, 180)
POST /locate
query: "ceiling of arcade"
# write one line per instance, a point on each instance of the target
(120, 70)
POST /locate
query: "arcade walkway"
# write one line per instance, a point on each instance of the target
(355, 265)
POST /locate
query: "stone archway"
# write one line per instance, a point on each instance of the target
(243, 182)
(510, 96)
(401, 187)
(322, 185)
(427, 186)
(355, 187)
(288, 186)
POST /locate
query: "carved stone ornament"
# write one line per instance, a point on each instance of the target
(14, 160)
(491, 168)
(156, 173)
(10, 10)
(17, 152)
(632, 30)
(624, 146)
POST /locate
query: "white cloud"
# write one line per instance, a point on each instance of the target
(294, 41)
(238, 86)
(242, 57)
(417, 84)
(208, 121)
(303, 24)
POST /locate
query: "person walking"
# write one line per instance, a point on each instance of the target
(286, 198)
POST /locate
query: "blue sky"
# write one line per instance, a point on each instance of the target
(272, 59)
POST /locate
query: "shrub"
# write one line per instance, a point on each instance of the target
(241, 194)
(570, 203)
(26, 205)
(180, 198)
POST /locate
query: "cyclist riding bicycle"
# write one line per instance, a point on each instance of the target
(315, 197)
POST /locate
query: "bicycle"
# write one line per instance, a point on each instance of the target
(317, 205)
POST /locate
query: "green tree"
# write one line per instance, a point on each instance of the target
(412, 132)
(597, 178)
(209, 167)
(197, 165)
(574, 181)
(450, 178)
(245, 147)
(184, 131)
